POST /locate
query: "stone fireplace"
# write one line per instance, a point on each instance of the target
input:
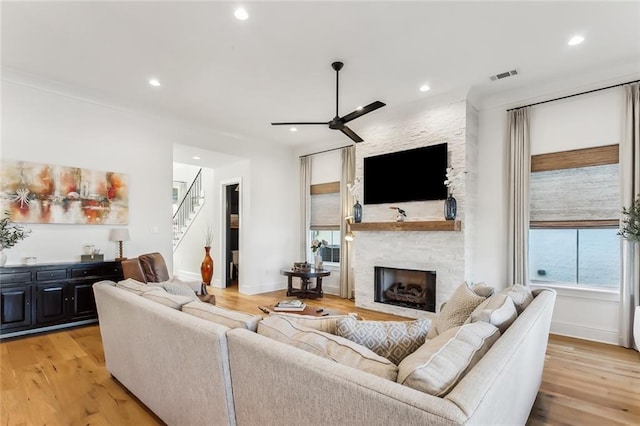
(408, 288)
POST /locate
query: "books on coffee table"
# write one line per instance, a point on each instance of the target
(290, 305)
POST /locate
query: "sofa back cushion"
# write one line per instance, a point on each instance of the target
(498, 310)
(160, 295)
(393, 340)
(456, 311)
(219, 315)
(133, 286)
(325, 345)
(326, 323)
(438, 365)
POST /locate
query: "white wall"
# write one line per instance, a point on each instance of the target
(44, 122)
(47, 127)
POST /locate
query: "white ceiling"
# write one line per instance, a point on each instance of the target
(239, 76)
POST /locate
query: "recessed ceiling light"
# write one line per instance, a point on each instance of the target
(293, 129)
(424, 88)
(359, 108)
(195, 157)
(576, 40)
(241, 14)
(154, 82)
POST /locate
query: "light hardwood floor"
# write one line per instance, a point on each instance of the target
(60, 378)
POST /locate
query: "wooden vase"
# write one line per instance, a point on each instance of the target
(206, 267)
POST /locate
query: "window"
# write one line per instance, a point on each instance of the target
(325, 219)
(331, 253)
(575, 209)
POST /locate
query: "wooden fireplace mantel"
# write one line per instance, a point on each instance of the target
(428, 225)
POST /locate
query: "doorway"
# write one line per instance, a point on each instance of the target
(232, 225)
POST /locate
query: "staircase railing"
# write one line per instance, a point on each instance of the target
(187, 207)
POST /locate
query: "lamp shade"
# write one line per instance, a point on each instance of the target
(119, 234)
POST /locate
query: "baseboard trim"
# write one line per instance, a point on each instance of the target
(585, 332)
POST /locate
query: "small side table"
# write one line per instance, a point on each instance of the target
(305, 291)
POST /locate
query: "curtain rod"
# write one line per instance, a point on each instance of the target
(326, 150)
(575, 94)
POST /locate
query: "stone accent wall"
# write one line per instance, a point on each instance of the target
(443, 252)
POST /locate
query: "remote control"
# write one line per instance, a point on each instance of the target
(319, 310)
(263, 309)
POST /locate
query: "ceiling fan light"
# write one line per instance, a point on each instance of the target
(424, 88)
(154, 82)
(575, 40)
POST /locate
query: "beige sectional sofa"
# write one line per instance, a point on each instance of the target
(192, 371)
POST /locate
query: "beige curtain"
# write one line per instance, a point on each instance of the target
(630, 179)
(346, 206)
(519, 174)
(305, 205)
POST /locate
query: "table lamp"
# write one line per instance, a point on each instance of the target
(119, 235)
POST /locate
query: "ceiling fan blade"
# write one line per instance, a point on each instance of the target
(358, 113)
(347, 131)
(300, 123)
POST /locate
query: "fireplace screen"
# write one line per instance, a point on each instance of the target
(408, 288)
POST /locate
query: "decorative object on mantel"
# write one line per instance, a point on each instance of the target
(119, 235)
(315, 247)
(450, 204)
(48, 193)
(357, 207)
(400, 214)
(630, 229)
(10, 235)
(206, 267)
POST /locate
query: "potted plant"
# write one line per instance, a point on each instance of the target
(10, 235)
(631, 222)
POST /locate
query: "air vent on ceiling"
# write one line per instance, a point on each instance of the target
(503, 75)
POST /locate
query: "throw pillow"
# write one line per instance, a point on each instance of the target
(180, 288)
(438, 365)
(497, 310)
(133, 286)
(456, 311)
(520, 294)
(328, 346)
(482, 289)
(160, 295)
(226, 317)
(393, 340)
(326, 324)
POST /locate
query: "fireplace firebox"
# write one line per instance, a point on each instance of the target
(408, 288)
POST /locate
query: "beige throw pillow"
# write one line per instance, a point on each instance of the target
(482, 289)
(328, 346)
(393, 340)
(456, 311)
(438, 365)
(326, 324)
(226, 317)
(497, 310)
(160, 295)
(520, 294)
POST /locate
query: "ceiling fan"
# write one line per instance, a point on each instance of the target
(339, 123)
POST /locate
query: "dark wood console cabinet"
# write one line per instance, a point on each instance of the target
(45, 297)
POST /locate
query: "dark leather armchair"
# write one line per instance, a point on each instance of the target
(146, 268)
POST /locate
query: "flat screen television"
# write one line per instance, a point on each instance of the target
(411, 175)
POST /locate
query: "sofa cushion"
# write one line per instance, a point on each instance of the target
(326, 323)
(393, 340)
(456, 311)
(326, 345)
(438, 365)
(219, 315)
(497, 310)
(520, 294)
(160, 295)
(133, 286)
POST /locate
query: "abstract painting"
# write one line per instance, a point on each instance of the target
(47, 193)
